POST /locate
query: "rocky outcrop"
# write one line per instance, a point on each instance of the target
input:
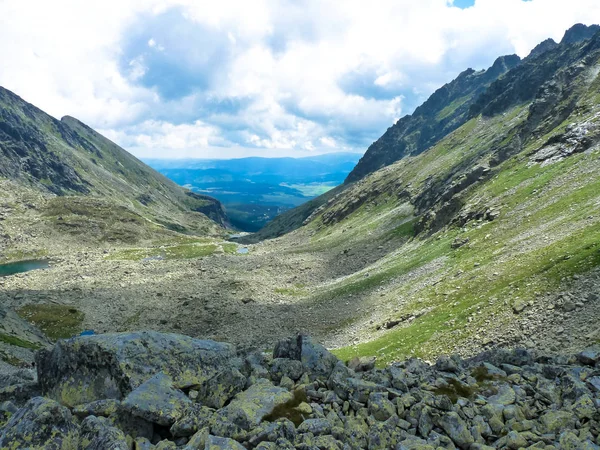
(445, 111)
(499, 399)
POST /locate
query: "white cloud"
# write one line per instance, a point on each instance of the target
(283, 77)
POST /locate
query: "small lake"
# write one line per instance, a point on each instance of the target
(23, 266)
(243, 250)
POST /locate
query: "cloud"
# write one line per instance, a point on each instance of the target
(177, 78)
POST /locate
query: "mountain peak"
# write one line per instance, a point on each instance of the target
(542, 47)
(579, 32)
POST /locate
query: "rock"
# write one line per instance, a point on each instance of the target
(157, 401)
(88, 368)
(221, 388)
(554, 421)
(43, 424)
(248, 408)
(589, 356)
(220, 443)
(274, 431)
(198, 441)
(97, 433)
(446, 364)
(283, 367)
(505, 396)
(456, 429)
(194, 419)
(362, 364)
(98, 408)
(380, 407)
(318, 362)
(315, 426)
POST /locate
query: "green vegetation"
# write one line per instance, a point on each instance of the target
(13, 340)
(56, 321)
(182, 251)
(296, 291)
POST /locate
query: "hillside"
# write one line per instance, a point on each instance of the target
(61, 178)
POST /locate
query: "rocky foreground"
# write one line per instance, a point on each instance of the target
(149, 390)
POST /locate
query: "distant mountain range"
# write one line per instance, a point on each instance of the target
(255, 190)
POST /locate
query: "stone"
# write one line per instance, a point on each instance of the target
(221, 443)
(157, 401)
(89, 368)
(102, 408)
(554, 421)
(284, 367)
(589, 356)
(248, 408)
(315, 426)
(42, 423)
(221, 388)
(98, 433)
(362, 363)
(198, 441)
(456, 429)
(193, 419)
(317, 361)
(380, 406)
(505, 396)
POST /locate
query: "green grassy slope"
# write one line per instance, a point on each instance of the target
(494, 216)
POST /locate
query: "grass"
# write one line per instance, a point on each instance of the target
(182, 251)
(13, 340)
(56, 321)
(296, 291)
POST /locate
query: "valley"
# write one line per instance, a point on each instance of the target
(489, 238)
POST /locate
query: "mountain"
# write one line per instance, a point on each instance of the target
(255, 190)
(471, 241)
(77, 182)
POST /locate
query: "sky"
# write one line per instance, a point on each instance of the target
(233, 78)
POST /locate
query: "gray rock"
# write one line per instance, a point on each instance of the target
(589, 356)
(315, 426)
(157, 401)
(98, 433)
(40, 424)
(318, 362)
(362, 363)
(220, 443)
(456, 429)
(283, 367)
(248, 408)
(221, 388)
(102, 408)
(194, 419)
(88, 368)
(380, 406)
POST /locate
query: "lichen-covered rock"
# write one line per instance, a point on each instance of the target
(220, 443)
(221, 388)
(456, 429)
(554, 421)
(248, 408)
(198, 440)
(194, 419)
(41, 424)
(284, 367)
(157, 401)
(318, 362)
(88, 368)
(102, 408)
(315, 426)
(380, 406)
(98, 433)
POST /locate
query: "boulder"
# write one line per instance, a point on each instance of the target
(318, 362)
(221, 388)
(248, 408)
(88, 368)
(157, 401)
(97, 433)
(194, 419)
(40, 424)
(220, 443)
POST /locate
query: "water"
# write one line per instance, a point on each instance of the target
(22, 266)
(243, 250)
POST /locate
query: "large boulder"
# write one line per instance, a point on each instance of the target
(40, 424)
(88, 368)
(248, 408)
(318, 362)
(157, 401)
